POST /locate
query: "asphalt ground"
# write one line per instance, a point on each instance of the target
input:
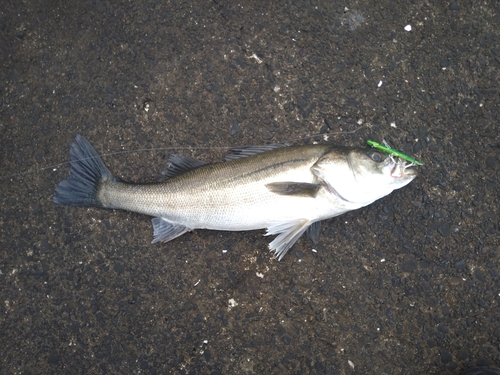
(408, 285)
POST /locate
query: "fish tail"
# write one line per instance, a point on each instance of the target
(86, 176)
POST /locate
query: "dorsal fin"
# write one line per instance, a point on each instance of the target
(246, 151)
(180, 164)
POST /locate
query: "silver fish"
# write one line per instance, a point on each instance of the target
(287, 190)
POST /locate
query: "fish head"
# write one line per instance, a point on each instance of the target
(362, 176)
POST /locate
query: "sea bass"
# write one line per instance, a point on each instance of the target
(286, 190)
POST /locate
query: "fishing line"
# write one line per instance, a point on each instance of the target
(156, 149)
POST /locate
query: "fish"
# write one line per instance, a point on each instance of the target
(287, 190)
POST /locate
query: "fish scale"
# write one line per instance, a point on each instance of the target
(224, 196)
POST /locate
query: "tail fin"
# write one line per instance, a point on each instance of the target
(87, 172)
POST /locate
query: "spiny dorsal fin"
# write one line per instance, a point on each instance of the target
(246, 151)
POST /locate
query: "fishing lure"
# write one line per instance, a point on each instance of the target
(392, 151)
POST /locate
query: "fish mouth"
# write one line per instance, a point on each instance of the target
(402, 169)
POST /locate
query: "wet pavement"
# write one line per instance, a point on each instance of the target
(408, 285)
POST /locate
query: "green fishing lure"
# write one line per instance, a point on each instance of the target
(391, 151)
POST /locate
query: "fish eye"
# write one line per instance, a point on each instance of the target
(377, 157)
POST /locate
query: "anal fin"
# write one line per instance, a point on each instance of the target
(164, 231)
(288, 233)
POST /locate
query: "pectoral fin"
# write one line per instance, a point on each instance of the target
(165, 231)
(288, 234)
(301, 189)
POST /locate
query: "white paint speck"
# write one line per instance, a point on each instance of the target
(393, 125)
(257, 58)
(231, 303)
(380, 84)
(408, 27)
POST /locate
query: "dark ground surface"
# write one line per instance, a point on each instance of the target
(408, 285)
